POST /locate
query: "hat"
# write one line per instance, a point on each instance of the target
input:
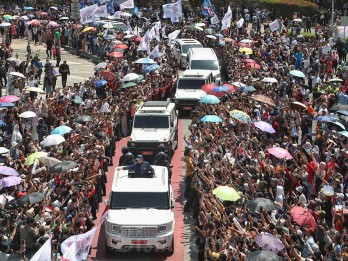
(56, 203)
(340, 195)
(14, 144)
(299, 189)
(23, 176)
(139, 157)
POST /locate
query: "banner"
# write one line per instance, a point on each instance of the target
(156, 53)
(127, 4)
(240, 23)
(70, 254)
(86, 14)
(44, 253)
(173, 10)
(214, 19)
(174, 35)
(226, 21)
(83, 244)
(101, 11)
(274, 26)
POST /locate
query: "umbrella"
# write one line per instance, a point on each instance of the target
(262, 255)
(78, 100)
(31, 198)
(145, 61)
(108, 75)
(116, 54)
(199, 28)
(17, 74)
(28, 8)
(100, 83)
(238, 84)
(89, 28)
(128, 84)
(211, 118)
(52, 140)
(7, 104)
(211, 36)
(269, 242)
(344, 133)
(35, 22)
(208, 87)
(121, 46)
(84, 118)
(303, 217)
(3, 150)
(63, 166)
(297, 73)
(54, 8)
(231, 87)
(67, 18)
(325, 119)
(24, 17)
(53, 24)
(150, 68)
(32, 157)
(299, 104)
(280, 153)
(338, 124)
(263, 99)
(100, 66)
(7, 171)
(128, 36)
(221, 89)
(337, 107)
(27, 114)
(108, 25)
(200, 24)
(35, 89)
(4, 24)
(328, 190)
(2, 123)
(61, 130)
(269, 80)
(256, 204)
(246, 50)
(343, 112)
(240, 116)
(264, 126)
(11, 181)
(130, 77)
(247, 89)
(253, 65)
(209, 99)
(335, 80)
(249, 61)
(226, 193)
(297, 20)
(9, 98)
(49, 161)
(109, 37)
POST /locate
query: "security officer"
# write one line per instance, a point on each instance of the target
(161, 160)
(141, 168)
(161, 150)
(128, 159)
(124, 151)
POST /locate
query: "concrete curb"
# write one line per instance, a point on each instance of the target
(83, 54)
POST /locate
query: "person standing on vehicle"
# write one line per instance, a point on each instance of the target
(141, 168)
(64, 71)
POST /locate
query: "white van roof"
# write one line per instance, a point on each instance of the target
(207, 52)
(123, 183)
(196, 73)
(156, 107)
(187, 41)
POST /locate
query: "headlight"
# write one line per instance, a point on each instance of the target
(165, 228)
(132, 144)
(176, 101)
(116, 228)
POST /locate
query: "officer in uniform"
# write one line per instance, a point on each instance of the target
(141, 168)
(161, 160)
(128, 159)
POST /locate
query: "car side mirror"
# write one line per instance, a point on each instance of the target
(107, 202)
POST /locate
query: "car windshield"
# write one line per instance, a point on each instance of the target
(191, 84)
(122, 200)
(204, 65)
(186, 47)
(151, 121)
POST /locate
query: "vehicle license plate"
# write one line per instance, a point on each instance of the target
(139, 242)
(187, 108)
(147, 153)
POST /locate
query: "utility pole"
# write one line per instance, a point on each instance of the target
(332, 15)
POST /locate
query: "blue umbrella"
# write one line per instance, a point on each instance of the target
(28, 8)
(7, 104)
(145, 61)
(210, 99)
(219, 35)
(150, 68)
(339, 125)
(31, 15)
(61, 130)
(2, 123)
(100, 83)
(211, 118)
(343, 112)
(78, 99)
(344, 133)
(247, 89)
(325, 119)
(221, 89)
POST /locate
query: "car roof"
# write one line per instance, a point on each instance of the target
(123, 183)
(200, 51)
(156, 107)
(187, 41)
(195, 74)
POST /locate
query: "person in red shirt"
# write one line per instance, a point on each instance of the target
(330, 168)
(275, 125)
(311, 167)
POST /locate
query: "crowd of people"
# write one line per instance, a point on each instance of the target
(53, 185)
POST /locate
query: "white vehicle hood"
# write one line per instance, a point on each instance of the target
(189, 94)
(150, 134)
(140, 216)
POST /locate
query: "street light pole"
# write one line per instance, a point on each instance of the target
(332, 14)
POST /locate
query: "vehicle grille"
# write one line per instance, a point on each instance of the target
(137, 232)
(147, 145)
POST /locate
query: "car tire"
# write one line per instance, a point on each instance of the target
(170, 250)
(108, 251)
(176, 139)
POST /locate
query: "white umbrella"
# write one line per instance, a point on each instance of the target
(130, 77)
(247, 41)
(24, 17)
(297, 20)
(238, 84)
(3, 150)
(200, 24)
(269, 80)
(335, 80)
(211, 36)
(17, 74)
(34, 89)
(54, 8)
(49, 161)
(12, 59)
(27, 114)
(126, 14)
(53, 139)
(128, 36)
(4, 24)
(64, 18)
(108, 25)
(101, 65)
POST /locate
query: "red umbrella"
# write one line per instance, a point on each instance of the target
(249, 61)
(138, 39)
(208, 88)
(35, 22)
(116, 54)
(303, 217)
(253, 65)
(121, 46)
(232, 87)
(9, 98)
(108, 75)
(42, 13)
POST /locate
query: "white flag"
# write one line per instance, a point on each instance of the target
(129, 27)
(101, 11)
(173, 10)
(155, 53)
(164, 31)
(127, 4)
(70, 254)
(174, 35)
(104, 216)
(44, 253)
(240, 23)
(86, 14)
(83, 244)
(274, 26)
(214, 19)
(226, 21)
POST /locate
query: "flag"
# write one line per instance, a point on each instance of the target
(173, 10)
(240, 23)
(86, 14)
(101, 2)
(129, 27)
(135, 9)
(70, 254)
(110, 5)
(82, 4)
(207, 8)
(274, 26)
(104, 216)
(174, 35)
(99, 12)
(44, 253)
(226, 21)
(83, 243)
(156, 53)
(214, 19)
(164, 31)
(127, 4)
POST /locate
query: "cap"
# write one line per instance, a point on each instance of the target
(139, 157)
(14, 144)
(299, 189)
